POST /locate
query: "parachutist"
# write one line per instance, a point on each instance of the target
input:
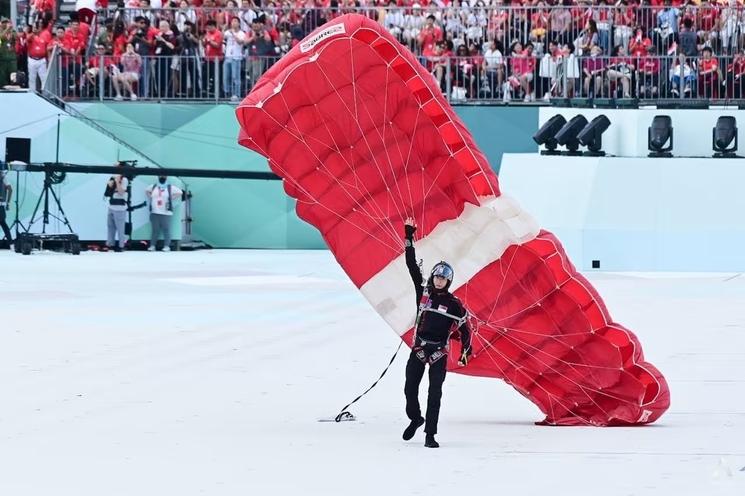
(440, 317)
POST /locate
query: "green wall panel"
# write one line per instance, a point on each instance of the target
(258, 214)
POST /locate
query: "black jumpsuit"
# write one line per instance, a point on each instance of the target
(431, 344)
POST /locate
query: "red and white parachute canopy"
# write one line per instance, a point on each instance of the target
(362, 137)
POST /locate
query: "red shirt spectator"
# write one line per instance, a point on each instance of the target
(650, 65)
(74, 46)
(708, 13)
(639, 44)
(38, 46)
(708, 65)
(737, 67)
(213, 44)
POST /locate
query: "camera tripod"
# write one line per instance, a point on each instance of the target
(49, 180)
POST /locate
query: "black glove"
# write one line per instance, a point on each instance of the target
(410, 230)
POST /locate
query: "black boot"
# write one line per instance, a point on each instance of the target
(429, 441)
(411, 429)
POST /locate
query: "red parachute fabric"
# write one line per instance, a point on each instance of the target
(361, 136)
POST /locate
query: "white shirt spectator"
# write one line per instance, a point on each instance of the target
(493, 58)
(234, 49)
(158, 194)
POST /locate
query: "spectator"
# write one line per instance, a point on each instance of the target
(621, 69)
(649, 74)
(623, 22)
(736, 75)
(522, 65)
(539, 22)
(682, 76)
(594, 68)
(8, 63)
(560, 22)
(709, 75)
(131, 63)
(667, 26)
(235, 39)
(640, 44)
(394, 20)
(184, 14)
(161, 195)
(430, 34)
(188, 44)
(548, 70)
(729, 23)
(413, 26)
(689, 39)
(143, 40)
(39, 47)
(568, 68)
(213, 55)
(587, 38)
(493, 67)
(165, 48)
(260, 49)
(97, 70)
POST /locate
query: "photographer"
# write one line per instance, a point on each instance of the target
(189, 45)
(142, 39)
(213, 54)
(116, 192)
(6, 193)
(161, 197)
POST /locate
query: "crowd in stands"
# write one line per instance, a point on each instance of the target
(492, 49)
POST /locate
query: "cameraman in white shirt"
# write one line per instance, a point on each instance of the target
(162, 196)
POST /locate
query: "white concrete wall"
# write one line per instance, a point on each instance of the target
(636, 214)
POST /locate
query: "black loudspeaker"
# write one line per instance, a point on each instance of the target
(18, 149)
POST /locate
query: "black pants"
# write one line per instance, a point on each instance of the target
(4, 225)
(414, 374)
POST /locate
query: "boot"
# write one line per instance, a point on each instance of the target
(411, 429)
(429, 441)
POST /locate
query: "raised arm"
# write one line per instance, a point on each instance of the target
(414, 271)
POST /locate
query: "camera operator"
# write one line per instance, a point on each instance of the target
(116, 219)
(161, 197)
(189, 45)
(6, 193)
(143, 40)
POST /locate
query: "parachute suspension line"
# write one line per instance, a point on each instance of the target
(489, 345)
(300, 136)
(363, 136)
(343, 413)
(299, 186)
(530, 349)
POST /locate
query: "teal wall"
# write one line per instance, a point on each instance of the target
(226, 213)
(499, 130)
(257, 213)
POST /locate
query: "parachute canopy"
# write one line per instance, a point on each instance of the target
(362, 138)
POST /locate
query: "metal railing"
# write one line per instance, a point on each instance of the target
(156, 77)
(477, 80)
(612, 25)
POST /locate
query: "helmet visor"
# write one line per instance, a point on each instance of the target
(443, 270)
